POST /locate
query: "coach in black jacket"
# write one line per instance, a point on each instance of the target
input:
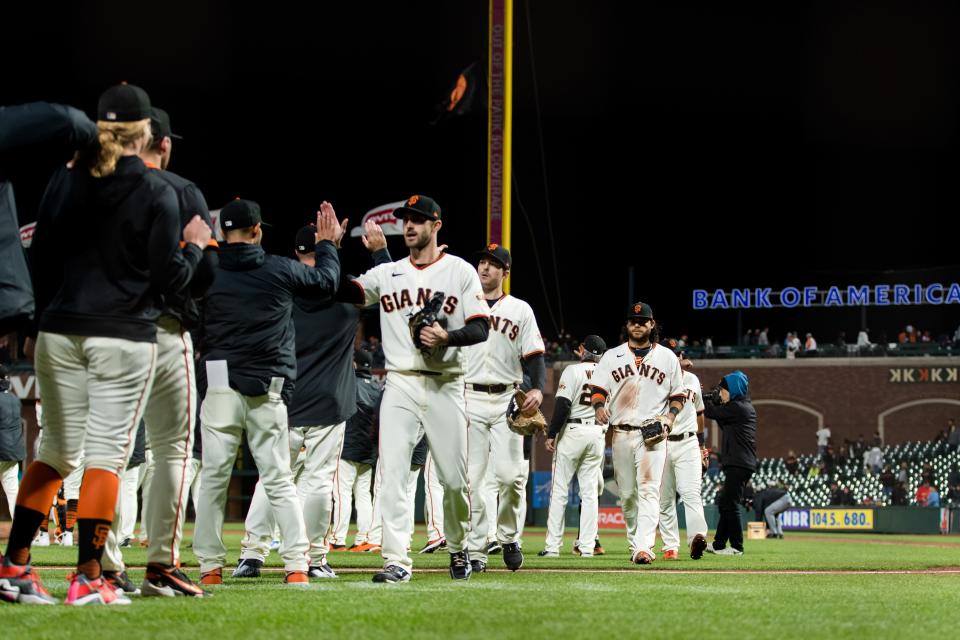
(23, 128)
(248, 330)
(738, 456)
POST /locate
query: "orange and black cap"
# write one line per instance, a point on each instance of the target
(420, 206)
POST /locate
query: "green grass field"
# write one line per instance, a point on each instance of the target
(609, 597)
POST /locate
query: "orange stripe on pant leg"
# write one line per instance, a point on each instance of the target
(39, 485)
(98, 495)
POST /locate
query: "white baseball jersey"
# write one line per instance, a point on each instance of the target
(514, 335)
(575, 387)
(402, 288)
(638, 388)
(687, 418)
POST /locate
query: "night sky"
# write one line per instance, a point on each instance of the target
(706, 146)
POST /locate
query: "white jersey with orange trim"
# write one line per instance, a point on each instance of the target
(638, 388)
(575, 387)
(402, 288)
(686, 421)
(514, 335)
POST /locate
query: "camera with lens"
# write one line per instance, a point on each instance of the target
(712, 395)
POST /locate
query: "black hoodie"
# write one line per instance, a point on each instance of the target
(326, 385)
(105, 250)
(247, 313)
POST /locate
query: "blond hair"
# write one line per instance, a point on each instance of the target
(114, 137)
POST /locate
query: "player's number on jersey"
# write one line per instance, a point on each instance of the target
(586, 395)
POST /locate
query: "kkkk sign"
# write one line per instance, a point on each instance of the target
(881, 295)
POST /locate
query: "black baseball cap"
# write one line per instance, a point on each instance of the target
(496, 253)
(160, 125)
(240, 214)
(595, 345)
(418, 205)
(123, 103)
(640, 310)
(363, 359)
(307, 239)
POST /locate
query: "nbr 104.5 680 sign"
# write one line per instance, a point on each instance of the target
(827, 518)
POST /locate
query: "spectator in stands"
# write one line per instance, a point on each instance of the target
(941, 437)
(887, 480)
(791, 345)
(823, 439)
(843, 456)
(953, 434)
(708, 345)
(953, 494)
(954, 477)
(868, 501)
(899, 495)
(923, 492)
(926, 475)
(925, 337)
(877, 439)
(814, 470)
(835, 495)
(829, 460)
(763, 338)
(903, 476)
(791, 463)
(858, 448)
(846, 498)
(841, 343)
(873, 460)
(863, 340)
(810, 346)
(933, 498)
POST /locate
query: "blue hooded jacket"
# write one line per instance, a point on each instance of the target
(737, 383)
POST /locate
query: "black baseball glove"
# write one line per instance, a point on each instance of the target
(654, 430)
(425, 318)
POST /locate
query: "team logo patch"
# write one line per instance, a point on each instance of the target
(636, 308)
(413, 200)
(492, 246)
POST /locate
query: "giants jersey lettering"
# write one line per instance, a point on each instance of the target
(514, 335)
(401, 289)
(687, 418)
(638, 389)
(575, 387)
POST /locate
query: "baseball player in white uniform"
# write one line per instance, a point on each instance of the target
(683, 470)
(633, 382)
(425, 386)
(577, 443)
(494, 369)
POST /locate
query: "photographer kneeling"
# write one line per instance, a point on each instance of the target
(729, 404)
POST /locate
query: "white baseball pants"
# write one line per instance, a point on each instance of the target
(638, 470)
(579, 451)
(170, 419)
(352, 483)
(682, 474)
(321, 446)
(94, 393)
(435, 405)
(10, 479)
(224, 416)
(492, 442)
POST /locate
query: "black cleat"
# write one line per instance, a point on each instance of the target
(494, 548)
(121, 582)
(597, 549)
(478, 566)
(512, 556)
(697, 546)
(392, 575)
(248, 568)
(460, 566)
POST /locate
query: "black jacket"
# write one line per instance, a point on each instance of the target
(326, 391)
(766, 498)
(23, 128)
(13, 444)
(182, 304)
(359, 439)
(738, 421)
(105, 250)
(247, 313)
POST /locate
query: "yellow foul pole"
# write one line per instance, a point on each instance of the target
(499, 123)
